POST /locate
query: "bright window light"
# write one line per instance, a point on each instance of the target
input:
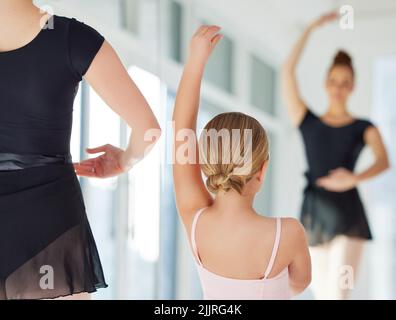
(144, 180)
(104, 127)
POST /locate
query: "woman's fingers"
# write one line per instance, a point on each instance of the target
(86, 174)
(321, 181)
(333, 15)
(338, 171)
(91, 161)
(103, 148)
(84, 167)
(324, 181)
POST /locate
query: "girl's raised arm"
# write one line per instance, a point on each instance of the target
(190, 190)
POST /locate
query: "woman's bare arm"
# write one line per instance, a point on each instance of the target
(373, 139)
(295, 105)
(109, 78)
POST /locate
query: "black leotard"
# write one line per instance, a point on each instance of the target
(326, 214)
(46, 245)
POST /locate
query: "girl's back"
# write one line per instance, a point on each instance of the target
(241, 255)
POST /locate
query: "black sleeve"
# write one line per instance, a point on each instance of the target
(84, 44)
(308, 118)
(363, 126)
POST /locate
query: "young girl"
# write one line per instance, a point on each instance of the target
(239, 253)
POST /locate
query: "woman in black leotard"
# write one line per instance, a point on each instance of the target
(47, 249)
(332, 212)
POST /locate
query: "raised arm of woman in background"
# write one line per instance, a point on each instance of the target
(190, 190)
(109, 78)
(295, 105)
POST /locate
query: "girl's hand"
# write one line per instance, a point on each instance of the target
(338, 180)
(111, 163)
(202, 44)
(326, 18)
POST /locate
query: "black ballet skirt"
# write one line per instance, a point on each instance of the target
(47, 249)
(326, 214)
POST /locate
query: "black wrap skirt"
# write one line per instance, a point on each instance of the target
(47, 249)
(326, 214)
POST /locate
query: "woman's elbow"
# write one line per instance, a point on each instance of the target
(385, 164)
(152, 128)
(154, 131)
(307, 281)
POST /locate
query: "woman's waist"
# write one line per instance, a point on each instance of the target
(312, 190)
(48, 141)
(10, 161)
(36, 174)
(311, 176)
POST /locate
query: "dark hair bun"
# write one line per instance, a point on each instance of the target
(342, 58)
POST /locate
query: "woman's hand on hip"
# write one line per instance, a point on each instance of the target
(111, 163)
(338, 180)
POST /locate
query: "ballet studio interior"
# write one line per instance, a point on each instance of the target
(141, 241)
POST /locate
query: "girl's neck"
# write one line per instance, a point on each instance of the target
(232, 203)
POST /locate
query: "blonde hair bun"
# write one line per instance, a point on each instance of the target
(224, 174)
(224, 182)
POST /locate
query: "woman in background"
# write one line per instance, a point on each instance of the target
(47, 249)
(332, 211)
(239, 253)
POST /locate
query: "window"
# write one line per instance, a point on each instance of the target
(169, 218)
(262, 88)
(144, 206)
(141, 18)
(100, 125)
(379, 192)
(219, 70)
(263, 200)
(175, 31)
(130, 15)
